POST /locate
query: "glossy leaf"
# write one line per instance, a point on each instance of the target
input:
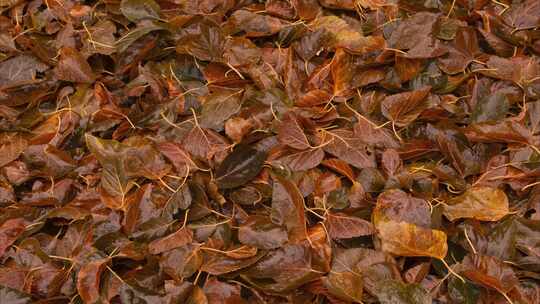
(302, 160)
(288, 208)
(239, 167)
(177, 239)
(489, 272)
(292, 134)
(405, 239)
(9, 232)
(404, 108)
(20, 70)
(254, 25)
(481, 203)
(122, 162)
(203, 39)
(397, 205)
(260, 232)
(278, 151)
(343, 226)
(218, 107)
(88, 280)
(349, 148)
(10, 295)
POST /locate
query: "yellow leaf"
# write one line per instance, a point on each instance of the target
(406, 239)
(481, 203)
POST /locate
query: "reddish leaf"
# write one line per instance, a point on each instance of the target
(73, 67)
(302, 160)
(490, 272)
(89, 280)
(177, 239)
(9, 232)
(404, 108)
(288, 208)
(343, 226)
(11, 147)
(292, 134)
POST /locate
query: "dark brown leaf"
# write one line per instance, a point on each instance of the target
(239, 167)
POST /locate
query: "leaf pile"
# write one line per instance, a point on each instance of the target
(278, 151)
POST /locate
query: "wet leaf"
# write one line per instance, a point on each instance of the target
(345, 145)
(13, 296)
(260, 232)
(253, 24)
(489, 272)
(398, 292)
(218, 263)
(9, 232)
(136, 10)
(239, 167)
(345, 36)
(292, 134)
(182, 261)
(287, 268)
(404, 108)
(218, 292)
(218, 107)
(405, 239)
(279, 151)
(343, 226)
(491, 108)
(121, 163)
(203, 39)
(20, 70)
(481, 203)
(73, 67)
(11, 147)
(88, 280)
(177, 239)
(288, 208)
(302, 160)
(397, 205)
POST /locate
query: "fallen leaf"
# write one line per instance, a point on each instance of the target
(239, 167)
(405, 239)
(481, 203)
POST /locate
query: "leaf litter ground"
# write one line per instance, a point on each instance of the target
(279, 151)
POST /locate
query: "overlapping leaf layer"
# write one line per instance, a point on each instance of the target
(268, 152)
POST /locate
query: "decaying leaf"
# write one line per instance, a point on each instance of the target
(278, 151)
(481, 203)
(11, 147)
(288, 208)
(89, 280)
(406, 239)
(121, 163)
(239, 167)
(343, 226)
(9, 232)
